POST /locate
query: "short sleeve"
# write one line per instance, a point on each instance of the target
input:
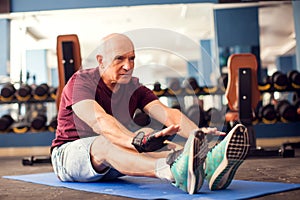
(146, 96)
(81, 86)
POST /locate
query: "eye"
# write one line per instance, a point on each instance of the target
(119, 58)
(132, 58)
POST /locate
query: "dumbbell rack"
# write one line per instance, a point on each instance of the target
(30, 137)
(290, 129)
(273, 130)
(30, 101)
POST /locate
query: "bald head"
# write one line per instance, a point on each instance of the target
(115, 43)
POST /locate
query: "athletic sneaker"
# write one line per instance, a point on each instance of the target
(187, 164)
(224, 159)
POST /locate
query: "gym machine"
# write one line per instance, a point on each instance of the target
(243, 96)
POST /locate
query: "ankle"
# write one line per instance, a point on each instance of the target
(162, 170)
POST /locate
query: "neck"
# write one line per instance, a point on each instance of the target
(113, 86)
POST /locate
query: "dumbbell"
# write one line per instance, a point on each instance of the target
(141, 119)
(52, 124)
(24, 93)
(41, 92)
(279, 80)
(296, 97)
(191, 86)
(174, 87)
(196, 114)
(267, 114)
(294, 79)
(287, 112)
(157, 89)
(265, 85)
(39, 122)
(8, 92)
(297, 106)
(53, 92)
(256, 118)
(210, 89)
(36, 160)
(20, 127)
(5, 122)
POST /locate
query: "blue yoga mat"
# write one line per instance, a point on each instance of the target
(151, 188)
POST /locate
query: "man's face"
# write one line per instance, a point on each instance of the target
(121, 67)
(118, 62)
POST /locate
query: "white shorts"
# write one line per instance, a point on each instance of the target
(71, 162)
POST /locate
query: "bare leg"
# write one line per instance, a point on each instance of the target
(124, 160)
(160, 154)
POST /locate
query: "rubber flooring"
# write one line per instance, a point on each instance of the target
(272, 169)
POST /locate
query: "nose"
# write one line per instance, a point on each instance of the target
(127, 65)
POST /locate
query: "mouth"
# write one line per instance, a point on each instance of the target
(125, 75)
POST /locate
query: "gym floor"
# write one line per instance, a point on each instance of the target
(276, 169)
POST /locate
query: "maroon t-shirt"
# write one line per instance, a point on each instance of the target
(87, 84)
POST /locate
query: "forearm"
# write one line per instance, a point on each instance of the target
(113, 130)
(177, 117)
(186, 125)
(102, 123)
(170, 116)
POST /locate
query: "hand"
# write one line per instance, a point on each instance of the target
(155, 140)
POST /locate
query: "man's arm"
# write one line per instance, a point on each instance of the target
(102, 123)
(170, 116)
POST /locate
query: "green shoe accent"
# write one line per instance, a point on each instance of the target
(224, 159)
(187, 165)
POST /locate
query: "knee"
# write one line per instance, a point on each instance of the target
(99, 148)
(98, 153)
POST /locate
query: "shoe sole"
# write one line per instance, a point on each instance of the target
(237, 148)
(198, 152)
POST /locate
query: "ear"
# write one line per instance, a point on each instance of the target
(99, 59)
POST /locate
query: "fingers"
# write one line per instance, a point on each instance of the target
(171, 130)
(220, 133)
(209, 129)
(212, 131)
